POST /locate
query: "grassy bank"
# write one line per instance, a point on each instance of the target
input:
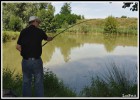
(125, 26)
(116, 83)
(53, 87)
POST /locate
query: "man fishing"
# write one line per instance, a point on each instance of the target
(30, 46)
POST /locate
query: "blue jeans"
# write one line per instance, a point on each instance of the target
(32, 68)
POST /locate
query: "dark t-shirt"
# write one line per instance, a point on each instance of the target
(30, 40)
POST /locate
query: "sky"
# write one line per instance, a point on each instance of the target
(91, 9)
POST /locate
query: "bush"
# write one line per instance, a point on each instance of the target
(110, 25)
(9, 35)
(12, 81)
(123, 16)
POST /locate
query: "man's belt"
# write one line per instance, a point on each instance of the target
(31, 58)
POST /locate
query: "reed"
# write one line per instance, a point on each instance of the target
(115, 83)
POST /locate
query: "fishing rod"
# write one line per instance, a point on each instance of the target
(65, 30)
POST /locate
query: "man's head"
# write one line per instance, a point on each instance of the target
(33, 20)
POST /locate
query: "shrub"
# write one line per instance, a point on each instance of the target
(110, 25)
(9, 35)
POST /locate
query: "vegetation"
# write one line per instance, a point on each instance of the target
(9, 35)
(126, 26)
(117, 26)
(123, 16)
(111, 25)
(65, 17)
(114, 84)
(53, 87)
(16, 16)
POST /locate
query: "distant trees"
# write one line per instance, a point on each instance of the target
(123, 16)
(16, 16)
(65, 17)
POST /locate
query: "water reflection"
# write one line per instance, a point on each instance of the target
(78, 73)
(66, 43)
(109, 42)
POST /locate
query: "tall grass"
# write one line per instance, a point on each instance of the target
(125, 26)
(53, 87)
(12, 81)
(114, 84)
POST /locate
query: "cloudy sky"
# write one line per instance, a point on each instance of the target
(92, 9)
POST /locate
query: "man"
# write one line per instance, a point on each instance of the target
(30, 46)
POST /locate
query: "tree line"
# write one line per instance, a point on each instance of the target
(16, 16)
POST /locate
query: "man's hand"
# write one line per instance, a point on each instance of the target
(49, 38)
(18, 47)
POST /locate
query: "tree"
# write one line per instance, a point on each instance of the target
(21, 11)
(123, 16)
(15, 23)
(66, 9)
(48, 23)
(134, 5)
(65, 17)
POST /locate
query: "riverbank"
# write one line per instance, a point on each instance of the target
(126, 26)
(115, 83)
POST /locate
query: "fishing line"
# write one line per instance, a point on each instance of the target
(65, 30)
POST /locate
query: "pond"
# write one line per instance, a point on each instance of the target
(75, 58)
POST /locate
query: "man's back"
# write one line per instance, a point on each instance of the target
(30, 40)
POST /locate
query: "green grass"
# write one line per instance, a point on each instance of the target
(53, 87)
(114, 84)
(125, 26)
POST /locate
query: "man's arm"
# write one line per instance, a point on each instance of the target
(18, 47)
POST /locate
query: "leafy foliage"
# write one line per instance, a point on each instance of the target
(110, 25)
(66, 9)
(16, 16)
(47, 19)
(65, 16)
